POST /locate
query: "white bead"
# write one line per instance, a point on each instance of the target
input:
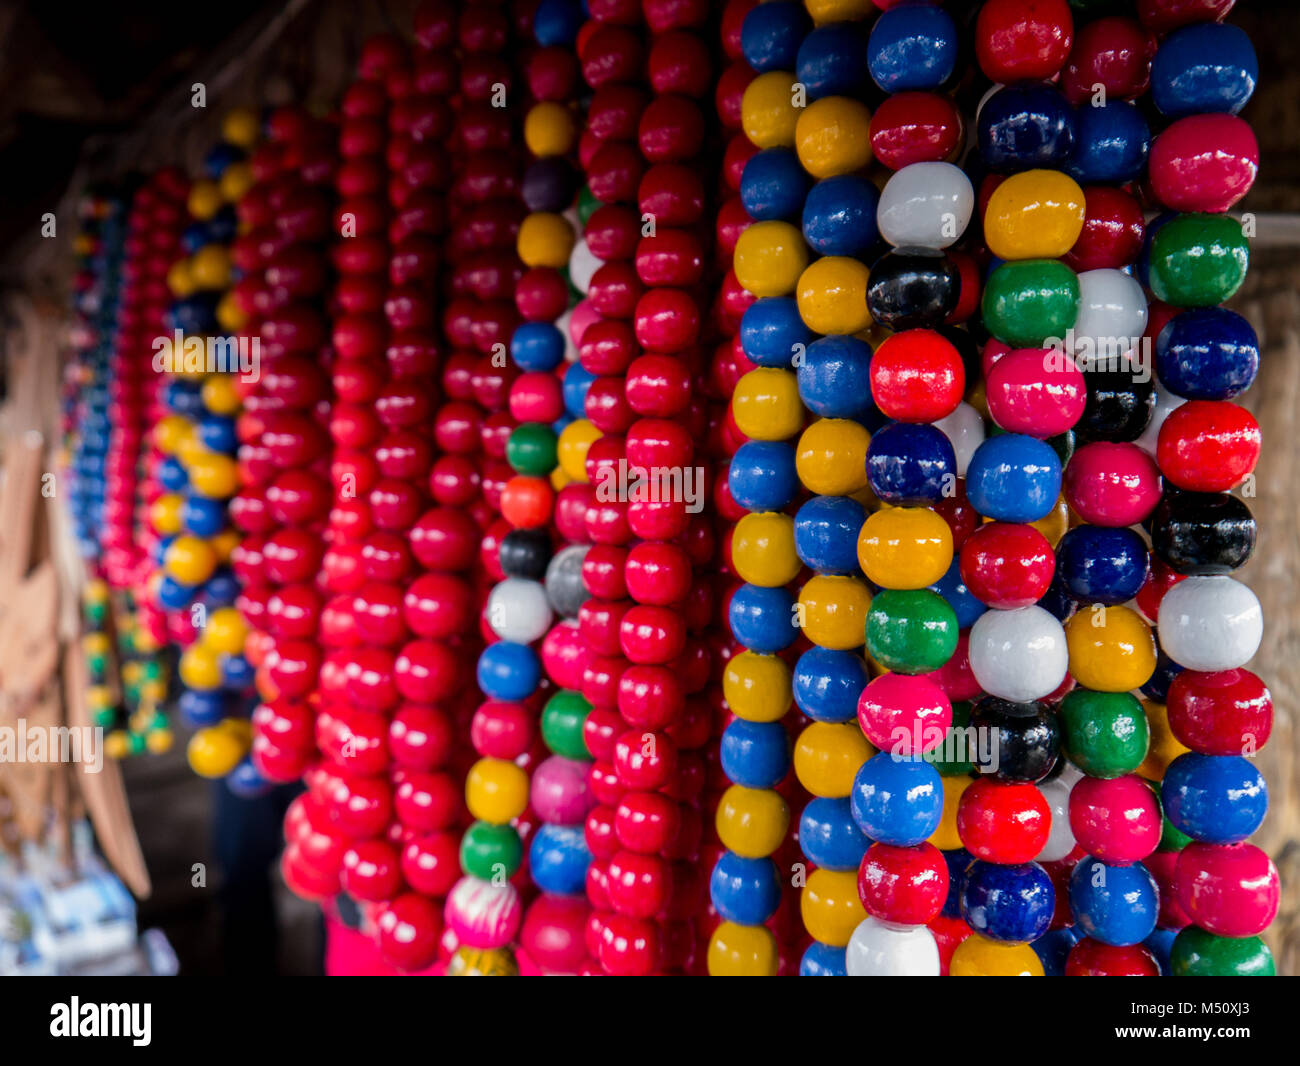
(582, 265)
(1112, 315)
(1210, 623)
(518, 610)
(882, 949)
(1018, 655)
(925, 204)
(1060, 839)
(964, 429)
(1166, 402)
(565, 325)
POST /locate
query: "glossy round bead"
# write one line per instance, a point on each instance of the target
(917, 376)
(829, 61)
(1207, 354)
(757, 687)
(773, 185)
(770, 35)
(1205, 67)
(832, 295)
(1014, 478)
(1102, 565)
(833, 611)
(1023, 42)
(518, 610)
(742, 951)
(1204, 163)
(1117, 821)
(1197, 953)
(770, 257)
(745, 891)
(905, 547)
(755, 754)
(1113, 904)
(763, 550)
(897, 801)
(1007, 565)
(925, 205)
(1208, 446)
(827, 684)
(1007, 903)
(762, 619)
(1202, 533)
(1092, 958)
(826, 530)
(1003, 823)
(839, 216)
(980, 956)
(1112, 484)
(904, 715)
(913, 288)
(1111, 649)
(1018, 655)
(1036, 214)
(829, 836)
(1198, 260)
(1105, 734)
(762, 475)
(771, 332)
(916, 127)
(1019, 127)
(912, 47)
(911, 631)
(834, 377)
(1035, 391)
(1210, 623)
(1224, 713)
(496, 791)
(1113, 228)
(766, 405)
(1031, 302)
(1229, 890)
(827, 756)
(831, 457)
(881, 949)
(1025, 739)
(905, 886)
(1060, 841)
(910, 463)
(768, 114)
(1112, 314)
(830, 906)
(1218, 799)
(832, 136)
(752, 822)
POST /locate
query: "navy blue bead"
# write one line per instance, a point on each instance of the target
(1207, 353)
(771, 34)
(826, 533)
(912, 46)
(828, 683)
(839, 216)
(745, 891)
(172, 595)
(246, 780)
(221, 589)
(1011, 903)
(557, 22)
(823, 960)
(236, 673)
(834, 377)
(771, 331)
(217, 434)
(183, 396)
(1102, 565)
(958, 860)
(1057, 600)
(755, 754)
(829, 836)
(1206, 67)
(829, 62)
(171, 475)
(762, 619)
(897, 801)
(773, 185)
(763, 475)
(1218, 799)
(1013, 478)
(1117, 905)
(911, 463)
(963, 602)
(1021, 127)
(1157, 687)
(558, 859)
(1053, 949)
(1110, 145)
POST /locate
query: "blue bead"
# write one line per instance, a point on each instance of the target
(834, 377)
(557, 22)
(1142, 268)
(1207, 353)
(829, 62)
(201, 708)
(1218, 799)
(744, 891)
(958, 860)
(1111, 144)
(963, 602)
(172, 595)
(1053, 949)
(773, 184)
(829, 836)
(771, 331)
(508, 671)
(1022, 127)
(823, 960)
(1011, 903)
(897, 801)
(171, 475)
(194, 237)
(236, 673)
(771, 34)
(183, 397)
(1206, 67)
(755, 754)
(762, 476)
(1102, 565)
(912, 46)
(1117, 905)
(826, 533)
(246, 780)
(839, 216)
(828, 683)
(203, 517)
(221, 590)
(220, 156)
(537, 346)
(1013, 478)
(763, 619)
(1161, 944)
(1057, 600)
(911, 463)
(217, 434)
(558, 859)
(577, 380)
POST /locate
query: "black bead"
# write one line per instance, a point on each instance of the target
(1202, 532)
(913, 288)
(1022, 743)
(1118, 407)
(525, 553)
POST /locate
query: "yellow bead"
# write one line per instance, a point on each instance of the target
(769, 258)
(240, 127)
(978, 956)
(833, 295)
(545, 240)
(833, 136)
(170, 431)
(832, 457)
(131, 672)
(1165, 747)
(212, 475)
(98, 697)
(571, 449)
(823, 11)
(225, 631)
(145, 642)
(1036, 214)
(205, 199)
(752, 822)
(549, 129)
(742, 951)
(159, 741)
(946, 837)
(235, 181)
(180, 279)
(1056, 523)
(496, 791)
(833, 611)
(768, 113)
(766, 404)
(240, 728)
(117, 745)
(230, 316)
(153, 691)
(224, 544)
(1111, 649)
(219, 394)
(559, 479)
(828, 755)
(96, 644)
(165, 514)
(96, 590)
(762, 549)
(757, 687)
(190, 560)
(830, 906)
(199, 668)
(905, 547)
(215, 751)
(483, 962)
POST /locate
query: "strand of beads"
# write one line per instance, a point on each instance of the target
(1210, 625)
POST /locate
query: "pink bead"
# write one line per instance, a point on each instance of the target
(561, 791)
(483, 915)
(1204, 163)
(1111, 484)
(1036, 391)
(565, 654)
(904, 714)
(1115, 821)
(584, 314)
(1228, 889)
(955, 676)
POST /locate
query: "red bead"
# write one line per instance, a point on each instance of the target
(426, 671)
(410, 931)
(1092, 958)
(1023, 40)
(1225, 713)
(1204, 163)
(431, 863)
(1227, 889)
(903, 885)
(1113, 228)
(915, 127)
(666, 320)
(917, 376)
(1159, 581)
(1114, 52)
(1208, 445)
(419, 737)
(1116, 821)
(1161, 865)
(1003, 823)
(1007, 566)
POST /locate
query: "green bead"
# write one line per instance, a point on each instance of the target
(1197, 953)
(563, 719)
(531, 449)
(588, 205)
(1063, 445)
(911, 631)
(1028, 301)
(491, 852)
(1105, 734)
(1171, 837)
(151, 670)
(956, 745)
(96, 664)
(1198, 260)
(95, 614)
(105, 717)
(136, 743)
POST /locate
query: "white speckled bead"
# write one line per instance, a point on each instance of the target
(1018, 655)
(518, 610)
(925, 204)
(1210, 623)
(882, 949)
(965, 431)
